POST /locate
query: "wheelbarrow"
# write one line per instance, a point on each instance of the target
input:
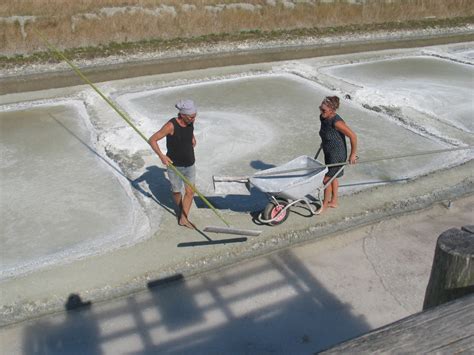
(300, 181)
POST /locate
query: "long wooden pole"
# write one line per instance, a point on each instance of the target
(366, 161)
(126, 119)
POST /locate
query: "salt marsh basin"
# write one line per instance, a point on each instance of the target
(250, 117)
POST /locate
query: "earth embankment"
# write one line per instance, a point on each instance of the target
(40, 77)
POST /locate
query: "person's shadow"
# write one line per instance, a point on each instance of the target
(260, 165)
(159, 188)
(154, 176)
(253, 202)
(78, 333)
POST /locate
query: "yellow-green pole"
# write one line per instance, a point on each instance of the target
(127, 119)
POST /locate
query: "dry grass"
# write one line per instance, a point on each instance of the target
(70, 24)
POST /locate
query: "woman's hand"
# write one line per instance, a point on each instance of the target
(353, 158)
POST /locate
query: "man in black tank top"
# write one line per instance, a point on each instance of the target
(180, 143)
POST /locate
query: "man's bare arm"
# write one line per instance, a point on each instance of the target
(153, 141)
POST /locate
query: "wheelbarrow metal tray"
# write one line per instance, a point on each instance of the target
(292, 185)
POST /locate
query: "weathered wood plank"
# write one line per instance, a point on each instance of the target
(447, 328)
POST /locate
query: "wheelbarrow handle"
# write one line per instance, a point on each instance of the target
(242, 179)
(308, 170)
(470, 147)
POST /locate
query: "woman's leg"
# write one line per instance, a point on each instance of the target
(327, 194)
(334, 187)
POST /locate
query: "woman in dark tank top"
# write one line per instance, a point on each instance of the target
(333, 133)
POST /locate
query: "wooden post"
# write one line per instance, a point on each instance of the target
(452, 273)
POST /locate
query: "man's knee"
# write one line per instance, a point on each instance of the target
(188, 191)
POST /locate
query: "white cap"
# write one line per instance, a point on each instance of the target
(186, 107)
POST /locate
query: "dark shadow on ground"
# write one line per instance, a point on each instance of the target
(212, 242)
(209, 241)
(154, 177)
(158, 186)
(159, 191)
(272, 305)
(260, 165)
(175, 315)
(308, 321)
(256, 201)
(77, 332)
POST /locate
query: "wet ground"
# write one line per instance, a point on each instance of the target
(59, 199)
(98, 199)
(430, 85)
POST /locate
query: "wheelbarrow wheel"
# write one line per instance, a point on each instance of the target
(273, 209)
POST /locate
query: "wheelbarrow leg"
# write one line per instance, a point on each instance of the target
(308, 204)
(326, 185)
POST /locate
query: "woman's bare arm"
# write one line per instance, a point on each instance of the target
(341, 126)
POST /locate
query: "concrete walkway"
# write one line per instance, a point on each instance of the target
(297, 300)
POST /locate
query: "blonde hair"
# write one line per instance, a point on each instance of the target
(332, 102)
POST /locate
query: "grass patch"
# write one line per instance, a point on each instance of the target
(160, 44)
(82, 23)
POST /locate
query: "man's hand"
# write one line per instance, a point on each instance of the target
(166, 160)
